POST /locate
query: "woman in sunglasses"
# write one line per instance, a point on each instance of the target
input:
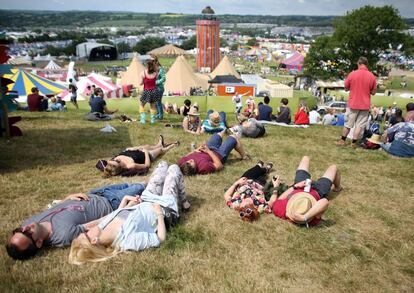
(134, 159)
(247, 196)
(139, 223)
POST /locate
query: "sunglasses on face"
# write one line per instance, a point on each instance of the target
(246, 212)
(26, 233)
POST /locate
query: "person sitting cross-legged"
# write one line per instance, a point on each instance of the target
(215, 122)
(140, 222)
(302, 206)
(60, 224)
(210, 157)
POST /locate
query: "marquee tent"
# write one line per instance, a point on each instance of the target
(225, 68)
(295, 62)
(52, 66)
(24, 82)
(167, 50)
(131, 76)
(181, 77)
(110, 90)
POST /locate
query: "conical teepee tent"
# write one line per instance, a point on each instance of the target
(132, 75)
(167, 50)
(52, 66)
(181, 77)
(225, 68)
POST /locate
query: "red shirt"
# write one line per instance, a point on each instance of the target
(203, 161)
(301, 118)
(33, 102)
(149, 83)
(361, 83)
(279, 206)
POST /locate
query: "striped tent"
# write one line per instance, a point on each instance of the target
(295, 62)
(52, 65)
(25, 81)
(167, 50)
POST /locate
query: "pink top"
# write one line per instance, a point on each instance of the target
(361, 83)
(149, 83)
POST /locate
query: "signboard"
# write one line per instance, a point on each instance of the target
(230, 89)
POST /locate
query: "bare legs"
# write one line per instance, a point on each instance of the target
(333, 174)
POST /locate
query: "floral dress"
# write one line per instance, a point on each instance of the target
(252, 192)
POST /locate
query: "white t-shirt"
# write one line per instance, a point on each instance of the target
(238, 100)
(314, 117)
(327, 119)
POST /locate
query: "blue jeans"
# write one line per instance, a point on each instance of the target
(223, 117)
(114, 193)
(399, 149)
(215, 143)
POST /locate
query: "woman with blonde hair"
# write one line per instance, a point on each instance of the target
(133, 160)
(140, 222)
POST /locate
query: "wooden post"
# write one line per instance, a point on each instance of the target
(5, 115)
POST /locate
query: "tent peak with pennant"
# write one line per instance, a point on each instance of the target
(225, 68)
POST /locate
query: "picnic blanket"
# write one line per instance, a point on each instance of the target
(282, 124)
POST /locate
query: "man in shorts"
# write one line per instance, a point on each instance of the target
(362, 84)
(210, 157)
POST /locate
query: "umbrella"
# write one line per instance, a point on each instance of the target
(24, 82)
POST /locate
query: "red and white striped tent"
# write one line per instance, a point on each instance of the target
(110, 89)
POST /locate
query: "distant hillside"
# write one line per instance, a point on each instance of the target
(33, 19)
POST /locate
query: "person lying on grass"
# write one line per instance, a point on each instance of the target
(302, 206)
(60, 224)
(248, 127)
(138, 224)
(134, 159)
(247, 195)
(210, 157)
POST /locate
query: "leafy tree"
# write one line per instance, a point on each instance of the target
(234, 47)
(123, 47)
(147, 44)
(104, 41)
(368, 31)
(190, 43)
(252, 42)
(223, 43)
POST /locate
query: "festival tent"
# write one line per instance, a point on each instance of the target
(105, 83)
(181, 77)
(131, 76)
(295, 62)
(52, 66)
(19, 61)
(24, 82)
(167, 50)
(225, 68)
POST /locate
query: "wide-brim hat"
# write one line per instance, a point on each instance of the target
(193, 112)
(215, 117)
(375, 138)
(300, 203)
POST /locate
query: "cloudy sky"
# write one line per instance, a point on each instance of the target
(273, 7)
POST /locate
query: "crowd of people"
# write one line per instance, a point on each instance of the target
(134, 216)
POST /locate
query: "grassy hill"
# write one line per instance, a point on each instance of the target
(364, 244)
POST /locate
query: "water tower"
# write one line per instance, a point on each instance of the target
(208, 40)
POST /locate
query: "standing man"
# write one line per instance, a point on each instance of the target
(160, 86)
(73, 92)
(362, 84)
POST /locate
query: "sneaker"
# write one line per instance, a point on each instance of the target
(269, 166)
(340, 142)
(260, 163)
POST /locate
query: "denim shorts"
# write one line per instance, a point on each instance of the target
(216, 144)
(322, 185)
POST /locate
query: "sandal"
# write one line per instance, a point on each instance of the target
(162, 140)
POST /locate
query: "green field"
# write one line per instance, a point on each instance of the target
(364, 244)
(395, 83)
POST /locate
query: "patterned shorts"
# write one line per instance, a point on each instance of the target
(150, 96)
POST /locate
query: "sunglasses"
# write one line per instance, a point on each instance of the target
(247, 212)
(25, 233)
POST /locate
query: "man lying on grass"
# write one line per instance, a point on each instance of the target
(60, 224)
(139, 223)
(210, 157)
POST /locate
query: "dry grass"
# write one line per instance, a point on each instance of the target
(364, 244)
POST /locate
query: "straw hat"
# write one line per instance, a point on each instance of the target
(375, 138)
(193, 112)
(215, 117)
(300, 203)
